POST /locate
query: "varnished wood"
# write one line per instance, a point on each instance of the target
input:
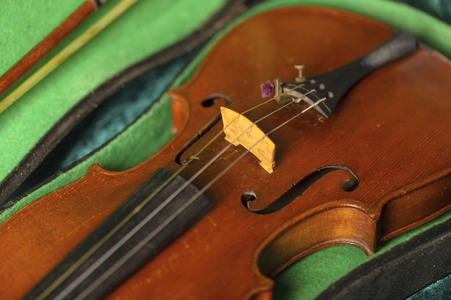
(47, 44)
(392, 130)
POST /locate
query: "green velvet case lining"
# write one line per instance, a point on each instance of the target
(438, 290)
(143, 29)
(24, 24)
(310, 270)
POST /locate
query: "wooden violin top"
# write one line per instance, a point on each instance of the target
(392, 130)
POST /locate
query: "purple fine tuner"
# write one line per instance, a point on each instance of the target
(266, 89)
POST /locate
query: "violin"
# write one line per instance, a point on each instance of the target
(350, 149)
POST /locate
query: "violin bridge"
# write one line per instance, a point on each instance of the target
(239, 130)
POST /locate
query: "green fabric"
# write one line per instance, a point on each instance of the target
(440, 289)
(314, 273)
(308, 277)
(23, 24)
(145, 28)
(109, 119)
(438, 8)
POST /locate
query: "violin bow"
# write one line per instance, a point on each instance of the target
(50, 42)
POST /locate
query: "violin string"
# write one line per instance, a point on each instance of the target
(149, 217)
(180, 210)
(118, 226)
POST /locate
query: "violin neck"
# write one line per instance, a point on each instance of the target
(126, 240)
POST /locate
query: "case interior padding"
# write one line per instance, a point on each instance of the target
(306, 282)
(141, 38)
(402, 271)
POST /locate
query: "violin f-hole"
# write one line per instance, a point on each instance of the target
(210, 100)
(207, 102)
(300, 187)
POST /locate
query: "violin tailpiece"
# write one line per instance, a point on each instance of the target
(334, 84)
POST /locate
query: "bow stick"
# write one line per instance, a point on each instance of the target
(51, 41)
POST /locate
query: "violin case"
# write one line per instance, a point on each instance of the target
(104, 105)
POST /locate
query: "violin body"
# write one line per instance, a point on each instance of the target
(392, 130)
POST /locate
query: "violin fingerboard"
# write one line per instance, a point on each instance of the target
(122, 244)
